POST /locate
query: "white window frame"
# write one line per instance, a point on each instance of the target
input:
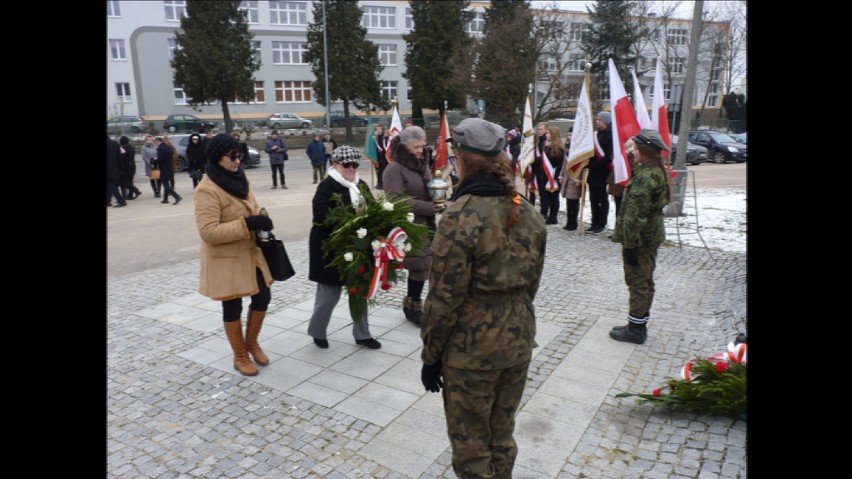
(676, 66)
(174, 9)
(288, 13)
(286, 53)
(387, 54)
(122, 91)
(476, 24)
(576, 62)
(677, 36)
(409, 19)
(113, 8)
(297, 88)
(116, 49)
(374, 16)
(713, 99)
(173, 47)
(390, 89)
(250, 7)
(548, 64)
(255, 49)
(579, 30)
(258, 88)
(181, 98)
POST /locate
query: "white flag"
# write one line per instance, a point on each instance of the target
(528, 145)
(659, 114)
(583, 138)
(639, 104)
(396, 124)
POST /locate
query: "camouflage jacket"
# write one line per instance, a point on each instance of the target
(640, 219)
(479, 312)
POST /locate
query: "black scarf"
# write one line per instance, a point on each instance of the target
(480, 184)
(234, 183)
(406, 158)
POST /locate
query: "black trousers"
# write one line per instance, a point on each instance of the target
(573, 213)
(599, 202)
(280, 170)
(232, 309)
(549, 205)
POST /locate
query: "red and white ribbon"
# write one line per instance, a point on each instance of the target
(388, 249)
(737, 353)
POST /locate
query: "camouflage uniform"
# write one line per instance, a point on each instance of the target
(640, 226)
(479, 320)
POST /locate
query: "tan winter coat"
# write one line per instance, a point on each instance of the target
(229, 254)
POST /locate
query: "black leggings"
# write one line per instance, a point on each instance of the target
(415, 289)
(232, 309)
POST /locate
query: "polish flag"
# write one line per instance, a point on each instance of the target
(659, 114)
(396, 124)
(624, 125)
(529, 142)
(639, 104)
(441, 153)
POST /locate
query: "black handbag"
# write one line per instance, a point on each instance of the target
(276, 258)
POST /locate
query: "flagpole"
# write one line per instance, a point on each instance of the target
(585, 174)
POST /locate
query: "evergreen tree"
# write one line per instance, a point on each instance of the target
(438, 33)
(506, 60)
(612, 34)
(214, 60)
(353, 61)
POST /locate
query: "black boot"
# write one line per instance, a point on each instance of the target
(413, 310)
(634, 333)
(637, 320)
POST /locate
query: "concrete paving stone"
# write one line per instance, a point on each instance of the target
(366, 364)
(391, 397)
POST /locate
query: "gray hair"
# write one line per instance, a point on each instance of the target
(412, 134)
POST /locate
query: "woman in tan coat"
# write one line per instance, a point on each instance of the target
(232, 266)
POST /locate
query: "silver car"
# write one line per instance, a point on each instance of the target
(126, 124)
(289, 120)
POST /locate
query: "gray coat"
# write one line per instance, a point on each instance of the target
(149, 152)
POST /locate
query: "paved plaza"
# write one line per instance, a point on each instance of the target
(178, 409)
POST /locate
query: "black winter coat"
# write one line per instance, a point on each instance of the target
(113, 160)
(128, 163)
(164, 162)
(319, 271)
(195, 157)
(599, 168)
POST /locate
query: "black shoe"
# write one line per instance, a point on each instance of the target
(120, 205)
(595, 231)
(550, 222)
(570, 228)
(322, 343)
(178, 200)
(370, 343)
(156, 194)
(165, 201)
(633, 333)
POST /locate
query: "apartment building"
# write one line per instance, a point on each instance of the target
(141, 43)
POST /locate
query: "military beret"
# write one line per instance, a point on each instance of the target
(651, 138)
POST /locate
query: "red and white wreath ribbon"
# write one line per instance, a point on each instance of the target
(737, 353)
(387, 250)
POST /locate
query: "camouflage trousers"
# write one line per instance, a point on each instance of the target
(640, 281)
(480, 408)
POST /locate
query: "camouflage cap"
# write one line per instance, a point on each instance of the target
(651, 138)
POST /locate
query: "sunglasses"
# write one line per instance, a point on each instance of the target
(234, 157)
(350, 165)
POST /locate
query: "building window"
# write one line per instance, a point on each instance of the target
(576, 62)
(676, 66)
(288, 53)
(603, 90)
(409, 94)
(378, 17)
(712, 100)
(678, 36)
(292, 92)
(288, 13)
(667, 93)
(180, 96)
(175, 9)
(579, 30)
(172, 48)
(409, 19)
(113, 8)
(259, 96)
(250, 7)
(387, 54)
(116, 48)
(255, 50)
(548, 64)
(389, 89)
(122, 90)
(558, 29)
(476, 24)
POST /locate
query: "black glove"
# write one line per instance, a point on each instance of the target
(430, 376)
(630, 257)
(259, 222)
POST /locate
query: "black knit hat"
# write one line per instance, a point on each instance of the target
(219, 146)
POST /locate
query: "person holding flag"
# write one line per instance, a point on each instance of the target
(599, 168)
(640, 230)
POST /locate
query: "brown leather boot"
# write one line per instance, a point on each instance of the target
(255, 321)
(242, 363)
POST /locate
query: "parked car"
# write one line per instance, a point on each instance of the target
(182, 140)
(720, 147)
(126, 124)
(695, 154)
(337, 119)
(289, 120)
(186, 123)
(739, 137)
